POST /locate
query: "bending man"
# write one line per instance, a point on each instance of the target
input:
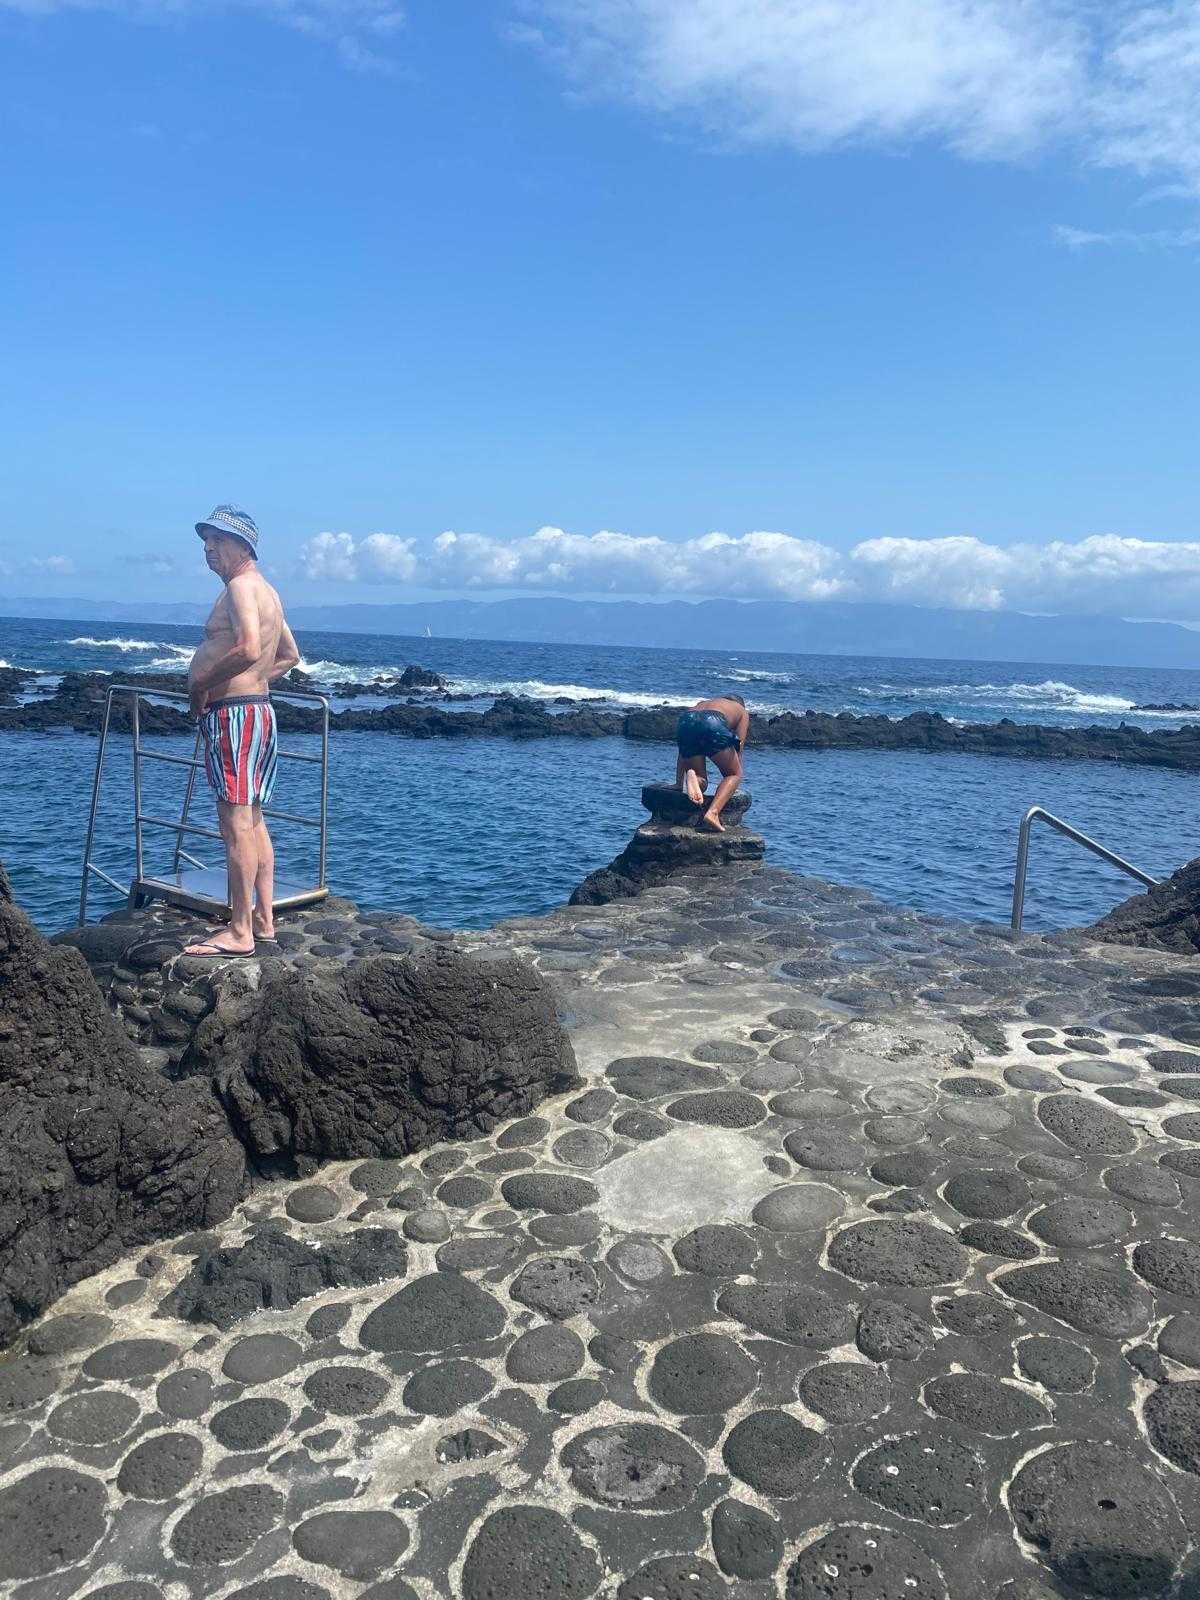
(247, 644)
(712, 730)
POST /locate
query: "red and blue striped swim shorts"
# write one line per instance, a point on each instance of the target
(240, 749)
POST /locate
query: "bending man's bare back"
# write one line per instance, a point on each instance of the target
(247, 645)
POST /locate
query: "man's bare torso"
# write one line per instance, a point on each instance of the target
(220, 632)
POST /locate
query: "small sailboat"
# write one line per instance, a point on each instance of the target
(428, 631)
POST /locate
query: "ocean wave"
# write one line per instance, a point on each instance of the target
(123, 645)
(1051, 695)
(536, 689)
(750, 675)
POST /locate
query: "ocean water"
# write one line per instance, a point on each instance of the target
(464, 833)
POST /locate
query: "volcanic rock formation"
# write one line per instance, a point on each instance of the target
(1164, 918)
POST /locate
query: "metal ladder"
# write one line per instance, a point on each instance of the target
(197, 887)
(1039, 814)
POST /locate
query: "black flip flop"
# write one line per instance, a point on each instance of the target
(206, 949)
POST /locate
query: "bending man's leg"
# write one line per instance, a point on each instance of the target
(691, 775)
(729, 765)
(264, 879)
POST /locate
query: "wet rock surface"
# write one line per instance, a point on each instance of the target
(907, 1310)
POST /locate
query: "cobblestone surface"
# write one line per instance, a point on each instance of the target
(863, 1267)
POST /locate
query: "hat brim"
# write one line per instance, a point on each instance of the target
(215, 527)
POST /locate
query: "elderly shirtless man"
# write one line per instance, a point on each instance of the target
(713, 730)
(247, 644)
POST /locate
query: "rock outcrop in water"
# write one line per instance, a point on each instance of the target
(671, 844)
(78, 703)
(1163, 918)
(100, 1153)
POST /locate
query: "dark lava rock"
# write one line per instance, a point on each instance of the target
(988, 1194)
(478, 1253)
(346, 1391)
(640, 1125)
(1057, 1364)
(561, 1232)
(994, 1239)
(1144, 1358)
(479, 1041)
(25, 1383)
(615, 1354)
(1163, 918)
(529, 1130)
(1186, 1126)
(1033, 1078)
(1135, 1099)
(700, 1373)
(905, 1168)
(1093, 1296)
(312, 1202)
(577, 1395)
(592, 1106)
(1185, 1162)
(358, 1544)
(1053, 1169)
(1075, 1222)
(123, 1154)
(1170, 1264)
(674, 1578)
(1138, 1180)
(1172, 1416)
(60, 1336)
(726, 1053)
(716, 1250)
(845, 1391)
(719, 1108)
(50, 1518)
(824, 1150)
(221, 1527)
(1182, 1061)
(545, 1355)
(798, 1208)
(746, 1541)
(273, 1271)
(976, 1316)
(925, 1477)
(249, 1424)
(285, 1587)
(856, 1563)
(648, 1077)
(773, 1453)
(530, 1552)
(557, 1286)
(436, 1312)
(548, 1191)
(890, 1332)
(1086, 1126)
(807, 1317)
(261, 1357)
(96, 1417)
(581, 1147)
(185, 1395)
(985, 1404)
(1107, 1525)
(634, 1466)
(161, 1467)
(915, 1254)
(464, 1192)
(1180, 1339)
(130, 1358)
(970, 1088)
(469, 1444)
(441, 1388)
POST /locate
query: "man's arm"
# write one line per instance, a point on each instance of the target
(743, 727)
(287, 655)
(247, 638)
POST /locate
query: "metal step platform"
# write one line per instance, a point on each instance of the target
(190, 883)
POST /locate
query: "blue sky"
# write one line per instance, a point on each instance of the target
(908, 298)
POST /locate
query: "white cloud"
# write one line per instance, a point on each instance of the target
(56, 566)
(1103, 574)
(1138, 238)
(986, 78)
(358, 29)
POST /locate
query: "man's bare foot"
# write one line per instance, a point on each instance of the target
(692, 784)
(221, 944)
(264, 930)
(713, 824)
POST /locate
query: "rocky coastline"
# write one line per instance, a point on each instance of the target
(76, 703)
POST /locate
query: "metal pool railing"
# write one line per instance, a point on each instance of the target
(197, 886)
(1040, 814)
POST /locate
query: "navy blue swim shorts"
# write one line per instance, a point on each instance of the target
(704, 733)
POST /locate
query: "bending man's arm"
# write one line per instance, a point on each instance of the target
(247, 639)
(287, 655)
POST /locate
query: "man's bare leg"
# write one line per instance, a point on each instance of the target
(264, 879)
(691, 775)
(729, 764)
(241, 859)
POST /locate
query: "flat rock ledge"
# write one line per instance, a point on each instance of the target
(1166, 917)
(672, 846)
(863, 1265)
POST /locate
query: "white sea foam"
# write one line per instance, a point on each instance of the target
(750, 675)
(1051, 695)
(536, 689)
(123, 645)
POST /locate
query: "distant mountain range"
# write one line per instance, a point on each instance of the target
(832, 628)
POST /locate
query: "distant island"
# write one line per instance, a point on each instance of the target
(835, 628)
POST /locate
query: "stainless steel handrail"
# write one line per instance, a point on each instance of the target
(1040, 814)
(182, 826)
